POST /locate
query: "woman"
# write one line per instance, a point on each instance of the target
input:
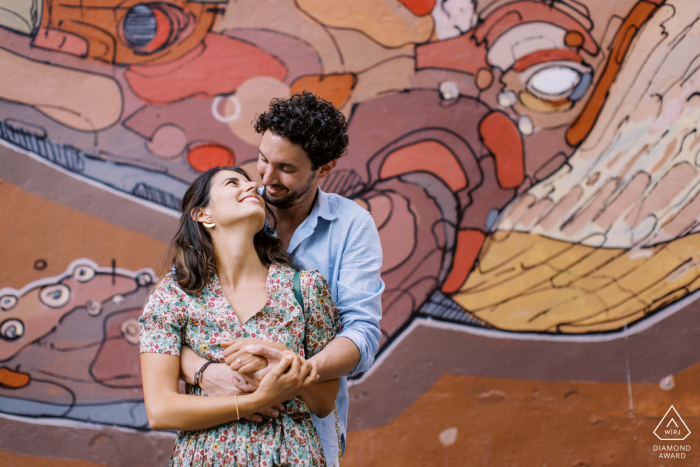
(231, 280)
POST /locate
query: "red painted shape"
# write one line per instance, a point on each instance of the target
(205, 156)
(164, 29)
(546, 56)
(425, 156)
(502, 138)
(217, 66)
(419, 7)
(460, 53)
(513, 14)
(469, 244)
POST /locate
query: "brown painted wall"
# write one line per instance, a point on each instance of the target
(532, 168)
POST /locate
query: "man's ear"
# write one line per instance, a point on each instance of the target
(326, 168)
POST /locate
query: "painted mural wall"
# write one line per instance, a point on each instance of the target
(533, 168)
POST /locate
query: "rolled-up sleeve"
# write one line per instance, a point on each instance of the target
(360, 289)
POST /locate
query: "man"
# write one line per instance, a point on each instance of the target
(302, 138)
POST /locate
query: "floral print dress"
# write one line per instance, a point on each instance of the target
(173, 318)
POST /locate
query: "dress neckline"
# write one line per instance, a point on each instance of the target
(218, 291)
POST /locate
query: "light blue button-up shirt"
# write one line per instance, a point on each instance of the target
(340, 239)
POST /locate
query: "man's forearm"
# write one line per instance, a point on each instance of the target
(190, 363)
(337, 359)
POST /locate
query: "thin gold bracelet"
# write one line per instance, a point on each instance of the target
(238, 413)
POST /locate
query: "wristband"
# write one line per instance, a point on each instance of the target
(198, 374)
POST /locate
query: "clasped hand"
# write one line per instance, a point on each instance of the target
(270, 368)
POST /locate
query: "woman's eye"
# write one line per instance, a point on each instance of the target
(559, 82)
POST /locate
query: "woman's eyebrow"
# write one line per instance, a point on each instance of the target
(235, 179)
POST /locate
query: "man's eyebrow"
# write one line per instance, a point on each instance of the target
(282, 164)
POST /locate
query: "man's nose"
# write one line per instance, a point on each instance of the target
(268, 177)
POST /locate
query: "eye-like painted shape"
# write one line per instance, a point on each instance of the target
(554, 81)
(83, 273)
(557, 80)
(140, 26)
(7, 302)
(55, 296)
(144, 279)
(130, 330)
(11, 329)
(149, 27)
(94, 307)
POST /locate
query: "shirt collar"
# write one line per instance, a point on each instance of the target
(322, 207)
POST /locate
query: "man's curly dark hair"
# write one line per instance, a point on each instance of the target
(309, 121)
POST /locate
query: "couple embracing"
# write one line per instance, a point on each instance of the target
(274, 298)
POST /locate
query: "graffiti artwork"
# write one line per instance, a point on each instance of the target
(532, 166)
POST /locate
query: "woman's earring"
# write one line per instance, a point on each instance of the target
(209, 224)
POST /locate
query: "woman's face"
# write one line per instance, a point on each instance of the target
(232, 199)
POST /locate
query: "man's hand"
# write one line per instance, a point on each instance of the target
(217, 380)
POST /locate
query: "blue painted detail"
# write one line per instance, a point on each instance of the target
(127, 414)
(581, 88)
(491, 218)
(131, 414)
(31, 408)
(156, 187)
(140, 26)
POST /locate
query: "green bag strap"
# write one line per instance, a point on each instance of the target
(297, 292)
(300, 300)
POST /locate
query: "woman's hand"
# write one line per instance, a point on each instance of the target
(240, 360)
(287, 379)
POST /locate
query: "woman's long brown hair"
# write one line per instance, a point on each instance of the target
(191, 252)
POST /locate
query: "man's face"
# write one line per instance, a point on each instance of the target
(286, 172)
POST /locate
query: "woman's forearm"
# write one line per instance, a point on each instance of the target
(169, 410)
(174, 411)
(190, 363)
(320, 397)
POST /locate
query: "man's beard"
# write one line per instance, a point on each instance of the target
(290, 199)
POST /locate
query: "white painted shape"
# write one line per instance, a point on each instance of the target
(555, 81)
(507, 99)
(453, 18)
(525, 125)
(448, 436)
